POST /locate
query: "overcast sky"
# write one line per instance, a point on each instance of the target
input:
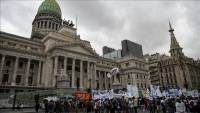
(108, 22)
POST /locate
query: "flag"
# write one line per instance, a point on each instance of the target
(158, 93)
(164, 93)
(132, 91)
(135, 91)
(114, 71)
(180, 92)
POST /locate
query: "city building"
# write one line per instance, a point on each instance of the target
(107, 50)
(153, 61)
(130, 48)
(56, 57)
(176, 70)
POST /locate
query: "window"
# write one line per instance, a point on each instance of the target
(5, 78)
(18, 79)
(32, 66)
(42, 24)
(53, 26)
(145, 85)
(136, 75)
(138, 85)
(128, 76)
(30, 80)
(20, 64)
(56, 26)
(8, 62)
(49, 24)
(45, 24)
(7, 90)
(38, 24)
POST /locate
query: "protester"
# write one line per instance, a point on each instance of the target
(180, 106)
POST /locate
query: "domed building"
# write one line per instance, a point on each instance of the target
(56, 57)
(47, 19)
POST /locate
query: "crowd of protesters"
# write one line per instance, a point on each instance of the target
(125, 105)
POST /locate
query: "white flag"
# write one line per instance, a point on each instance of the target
(158, 93)
(135, 91)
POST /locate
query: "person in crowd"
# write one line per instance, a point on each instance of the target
(180, 106)
(37, 106)
(46, 106)
(135, 104)
(142, 105)
(158, 105)
(163, 105)
(130, 105)
(153, 106)
(171, 105)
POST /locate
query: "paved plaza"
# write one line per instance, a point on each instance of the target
(31, 110)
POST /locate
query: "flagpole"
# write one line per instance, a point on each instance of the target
(76, 24)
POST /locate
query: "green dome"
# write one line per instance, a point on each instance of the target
(50, 6)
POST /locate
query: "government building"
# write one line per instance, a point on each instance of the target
(56, 57)
(176, 70)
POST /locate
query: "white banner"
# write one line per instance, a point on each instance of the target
(102, 94)
(155, 91)
(132, 91)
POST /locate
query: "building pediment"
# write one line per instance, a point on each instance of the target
(77, 47)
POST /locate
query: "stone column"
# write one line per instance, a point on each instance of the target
(65, 65)
(73, 73)
(27, 72)
(100, 80)
(91, 76)
(39, 73)
(105, 76)
(13, 81)
(81, 74)
(1, 68)
(94, 73)
(55, 71)
(88, 74)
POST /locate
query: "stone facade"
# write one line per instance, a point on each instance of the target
(176, 70)
(59, 54)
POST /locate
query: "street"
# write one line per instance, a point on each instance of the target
(31, 110)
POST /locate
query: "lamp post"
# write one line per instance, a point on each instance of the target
(14, 100)
(90, 83)
(56, 85)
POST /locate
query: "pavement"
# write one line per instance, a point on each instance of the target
(31, 110)
(28, 110)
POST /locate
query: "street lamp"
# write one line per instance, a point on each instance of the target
(90, 83)
(56, 85)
